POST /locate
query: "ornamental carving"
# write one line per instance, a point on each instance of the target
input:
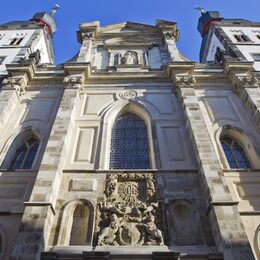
(129, 58)
(15, 83)
(88, 36)
(129, 214)
(128, 94)
(74, 83)
(169, 35)
(246, 82)
(184, 81)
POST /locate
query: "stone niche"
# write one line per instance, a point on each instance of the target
(129, 214)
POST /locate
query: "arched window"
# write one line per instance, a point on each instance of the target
(234, 153)
(25, 154)
(129, 143)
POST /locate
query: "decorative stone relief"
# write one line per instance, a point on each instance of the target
(246, 82)
(171, 35)
(74, 82)
(129, 214)
(184, 81)
(129, 58)
(128, 94)
(15, 83)
(88, 36)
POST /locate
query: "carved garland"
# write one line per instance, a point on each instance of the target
(129, 214)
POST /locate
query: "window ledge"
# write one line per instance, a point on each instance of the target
(241, 170)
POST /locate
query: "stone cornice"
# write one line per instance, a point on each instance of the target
(240, 74)
(181, 73)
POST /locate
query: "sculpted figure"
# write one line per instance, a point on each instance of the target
(109, 234)
(111, 186)
(129, 58)
(153, 232)
(109, 206)
(150, 188)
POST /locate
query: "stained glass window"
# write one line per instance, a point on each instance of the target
(129, 143)
(25, 154)
(235, 154)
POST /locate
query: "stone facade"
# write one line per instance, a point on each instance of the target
(71, 204)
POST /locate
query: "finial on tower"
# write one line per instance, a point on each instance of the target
(200, 9)
(54, 9)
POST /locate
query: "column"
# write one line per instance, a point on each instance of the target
(226, 224)
(39, 211)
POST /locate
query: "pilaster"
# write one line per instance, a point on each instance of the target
(14, 88)
(230, 235)
(245, 85)
(85, 50)
(40, 209)
(86, 37)
(170, 34)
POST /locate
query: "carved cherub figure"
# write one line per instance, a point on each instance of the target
(108, 234)
(153, 232)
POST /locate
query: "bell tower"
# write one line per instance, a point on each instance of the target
(20, 39)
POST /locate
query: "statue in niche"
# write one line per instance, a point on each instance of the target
(130, 214)
(129, 58)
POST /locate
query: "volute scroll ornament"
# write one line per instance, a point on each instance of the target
(129, 213)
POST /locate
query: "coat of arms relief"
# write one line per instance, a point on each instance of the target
(130, 213)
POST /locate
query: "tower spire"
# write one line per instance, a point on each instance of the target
(54, 9)
(200, 9)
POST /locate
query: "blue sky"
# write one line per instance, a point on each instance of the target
(74, 12)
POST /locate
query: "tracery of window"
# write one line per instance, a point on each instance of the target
(235, 154)
(25, 154)
(129, 143)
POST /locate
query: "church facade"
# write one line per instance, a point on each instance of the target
(129, 150)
